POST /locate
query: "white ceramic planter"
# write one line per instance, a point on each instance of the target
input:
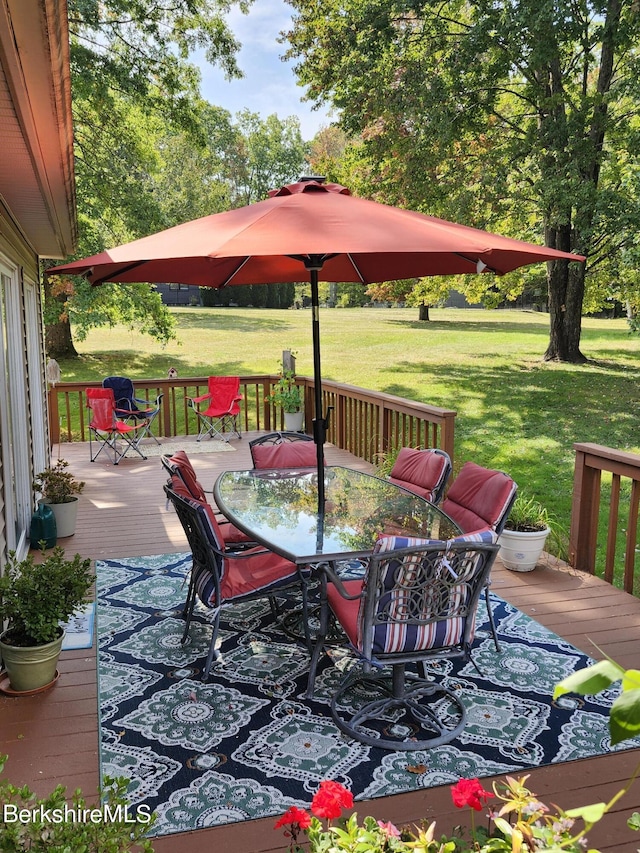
(293, 421)
(520, 551)
(66, 515)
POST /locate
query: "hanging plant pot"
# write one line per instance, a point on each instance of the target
(519, 550)
(30, 667)
(66, 515)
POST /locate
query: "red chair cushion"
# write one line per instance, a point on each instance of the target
(345, 610)
(420, 471)
(227, 531)
(183, 464)
(254, 571)
(290, 454)
(478, 497)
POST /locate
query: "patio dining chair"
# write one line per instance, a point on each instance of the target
(481, 499)
(221, 409)
(283, 450)
(130, 408)
(416, 605)
(424, 472)
(179, 465)
(222, 577)
(106, 429)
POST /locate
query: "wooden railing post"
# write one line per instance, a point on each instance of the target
(584, 514)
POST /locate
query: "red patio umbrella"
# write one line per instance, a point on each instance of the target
(301, 230)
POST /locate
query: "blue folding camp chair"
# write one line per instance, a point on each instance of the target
(132, 408)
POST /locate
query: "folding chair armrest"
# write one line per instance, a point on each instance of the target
(148, 405)
(192, 400)
(238, 397)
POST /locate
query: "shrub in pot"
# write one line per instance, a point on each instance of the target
(524, 535)
(34, 598)
(288, 396)
(59, 490)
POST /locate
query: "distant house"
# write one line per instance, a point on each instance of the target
(179, 294)
(37, 219)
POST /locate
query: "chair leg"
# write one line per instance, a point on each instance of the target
(492, 622)
(187, 611)
(318, 648)
(213, 652)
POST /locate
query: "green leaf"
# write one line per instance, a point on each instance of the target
(624, 717)
(589, 814)
(591, 680)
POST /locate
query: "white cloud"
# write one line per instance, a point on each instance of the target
(269, 85)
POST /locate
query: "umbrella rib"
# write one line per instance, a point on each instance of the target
(356, 267)
(475, 262)
(235, 272)
(101, 280)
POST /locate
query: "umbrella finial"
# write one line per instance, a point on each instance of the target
(320, 179)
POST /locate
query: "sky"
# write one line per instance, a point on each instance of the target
(269, 85)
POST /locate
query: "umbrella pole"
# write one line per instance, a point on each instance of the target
(314, 264)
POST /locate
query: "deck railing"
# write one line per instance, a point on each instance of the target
(605, 515)
(366, 423)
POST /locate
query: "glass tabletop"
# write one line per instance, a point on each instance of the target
(280, 510)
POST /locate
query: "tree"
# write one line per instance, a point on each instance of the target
(520, 115)
(269, 153)
(131, 82)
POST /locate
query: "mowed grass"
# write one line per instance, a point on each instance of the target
(515, 412)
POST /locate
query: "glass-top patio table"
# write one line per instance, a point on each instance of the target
(279, 509)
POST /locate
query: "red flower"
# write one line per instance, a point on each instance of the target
(294, 816)
(330, 799)
(469, 792)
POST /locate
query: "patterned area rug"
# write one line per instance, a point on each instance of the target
(247, 744)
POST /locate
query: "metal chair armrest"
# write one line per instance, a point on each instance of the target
(331, 575)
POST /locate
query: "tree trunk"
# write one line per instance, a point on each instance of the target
(566, 292)
(57, 333)
(423, 312)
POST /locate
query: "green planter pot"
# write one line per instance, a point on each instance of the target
(31, 667)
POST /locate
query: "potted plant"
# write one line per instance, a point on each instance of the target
(59, 490)
(524, 535)
(288, 396)
(34, 598)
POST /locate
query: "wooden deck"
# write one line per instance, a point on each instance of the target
(53, 737)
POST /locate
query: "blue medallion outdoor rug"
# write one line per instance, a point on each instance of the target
(248, 744)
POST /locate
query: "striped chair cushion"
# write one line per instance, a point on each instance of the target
(400, 632)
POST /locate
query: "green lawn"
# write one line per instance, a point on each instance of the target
(515, 412)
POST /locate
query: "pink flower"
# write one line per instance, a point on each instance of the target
(330, 799)
(389, 829)
(469, 792)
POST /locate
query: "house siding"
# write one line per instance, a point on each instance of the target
(37, 219)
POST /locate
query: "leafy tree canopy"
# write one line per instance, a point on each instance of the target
(132, 83)
(520, 117)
